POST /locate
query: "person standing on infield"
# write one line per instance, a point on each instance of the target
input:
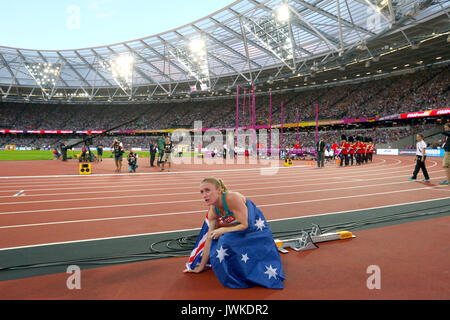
(99, 152)
(118, 154)
(320, 148)
(421, 147)
(160, 150)
(152, 153)
(167, 148)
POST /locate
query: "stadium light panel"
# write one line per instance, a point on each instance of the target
(121, 68)
(273, 34)
(197, 46)
(194, 58)
(45, 74)
(282, 13)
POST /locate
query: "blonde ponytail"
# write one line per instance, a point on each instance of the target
(217, 182)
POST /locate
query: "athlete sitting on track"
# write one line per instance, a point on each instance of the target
(238, 243)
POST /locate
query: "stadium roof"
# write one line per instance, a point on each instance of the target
(248, 42)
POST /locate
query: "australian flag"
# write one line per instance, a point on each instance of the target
(197, 252)
(243, 259)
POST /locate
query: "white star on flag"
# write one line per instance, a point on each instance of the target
(245, 258)
(259, 224)
(221, 253)
(271, 272)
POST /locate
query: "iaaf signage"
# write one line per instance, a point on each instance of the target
(418, 114)
(428, 113)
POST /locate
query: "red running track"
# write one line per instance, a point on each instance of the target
(411, 268)
(47, 201)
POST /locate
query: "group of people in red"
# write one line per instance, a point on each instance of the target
(358, 150)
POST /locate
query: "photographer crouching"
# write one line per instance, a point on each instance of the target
(132, 162)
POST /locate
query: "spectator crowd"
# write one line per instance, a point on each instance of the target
(422, 90)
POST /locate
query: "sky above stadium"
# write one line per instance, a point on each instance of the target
(76, 24)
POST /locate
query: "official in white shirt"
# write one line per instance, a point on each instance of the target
(421, 147)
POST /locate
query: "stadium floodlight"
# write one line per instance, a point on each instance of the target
(197, 45)
(121, 68)
(194, 58)
(273, 34)
(45, 74)
(282, 13)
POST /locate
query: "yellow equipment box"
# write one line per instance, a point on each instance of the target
(85, 168)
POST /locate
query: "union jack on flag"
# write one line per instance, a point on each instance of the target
(196, 254)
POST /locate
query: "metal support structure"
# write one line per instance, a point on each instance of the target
(331, 45)
(378, 10)
(349, 24)
(244, 39)
(341, 41)
(316, 30)
(14, 79)
(173, 50)
(391, 11)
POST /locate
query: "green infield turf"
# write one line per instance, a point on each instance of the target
(10, 155)
(13, 155)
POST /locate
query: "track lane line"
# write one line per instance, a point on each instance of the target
(257, 181)
(196, 193)
(195, 229)
(90, 184)
(78, 178)
(197, 211)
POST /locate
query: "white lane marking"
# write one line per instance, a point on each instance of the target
(196, 193)
(196, 229)
(258, 181)
(83, 178)
(196, 211)
(18, 193)
(239, 176)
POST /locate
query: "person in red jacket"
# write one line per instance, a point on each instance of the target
(334, 147)
(365, 149)
(358, 150)
(362, 147)
(344, 151)
(371, 149)
(351, 152)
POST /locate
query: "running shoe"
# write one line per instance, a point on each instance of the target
(426, 180)
(411, 178)
(444, 183)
